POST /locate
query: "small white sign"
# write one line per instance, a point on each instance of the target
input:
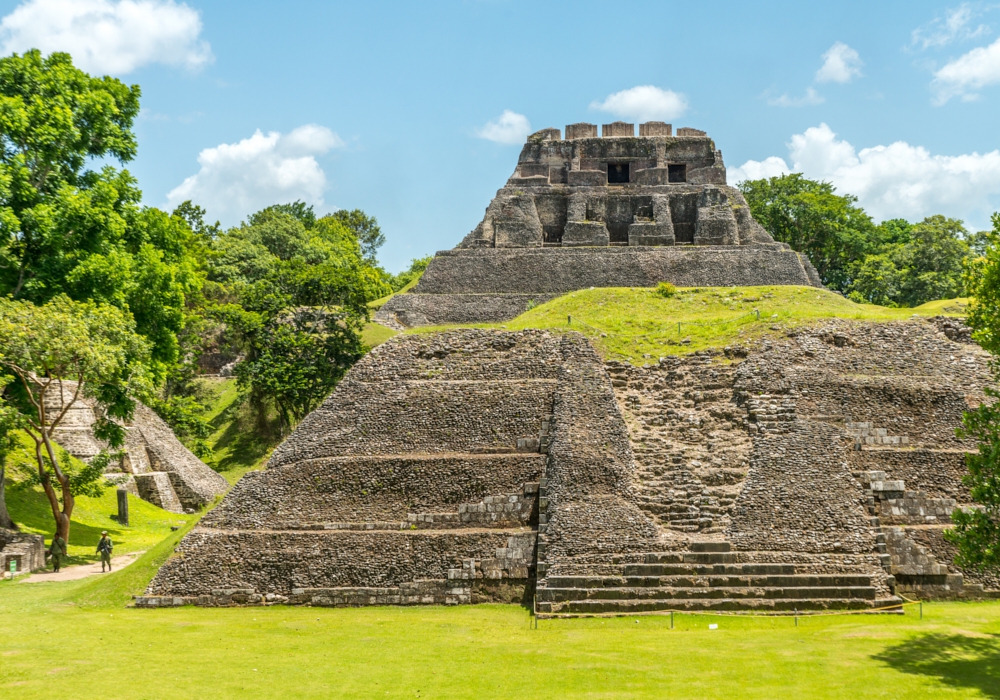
(713, 626)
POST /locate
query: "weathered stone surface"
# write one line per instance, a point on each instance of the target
(156, 466)
(817, 471)
(597, 212)
(25, 550)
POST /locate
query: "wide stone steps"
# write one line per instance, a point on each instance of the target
(557, 595)
(631, 605)
(709, 577)
(762, 581)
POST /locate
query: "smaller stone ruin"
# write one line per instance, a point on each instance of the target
(156, 467)
(26, 551)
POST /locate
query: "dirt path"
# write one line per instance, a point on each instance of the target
(72, 573)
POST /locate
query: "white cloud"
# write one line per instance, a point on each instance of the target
(810, 98)
(956, 25)
(898, 180)
(644, 103)
(968, 73)
(105, 36)
(509, 128)
(757, 170)
(841, 64)
(237, 179)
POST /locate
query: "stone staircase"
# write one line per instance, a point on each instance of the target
(708, 577)
(688, 440)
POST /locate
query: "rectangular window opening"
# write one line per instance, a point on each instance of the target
(676, 172)
(617, 173)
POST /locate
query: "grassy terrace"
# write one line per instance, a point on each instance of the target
(639, 325)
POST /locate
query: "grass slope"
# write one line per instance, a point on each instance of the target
(638, 325)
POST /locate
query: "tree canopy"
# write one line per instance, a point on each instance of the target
(297, 300)
(68, 229)
(894, 263)
(977, 531)
(57, 352)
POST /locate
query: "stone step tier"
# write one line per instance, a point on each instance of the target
(709, 577)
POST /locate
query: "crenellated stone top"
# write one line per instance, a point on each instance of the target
(654, 189)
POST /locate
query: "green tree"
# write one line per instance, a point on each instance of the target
(933, 261)
(68, 229)
(977, 531)
(414, 271)
(54, 118)
(876, 280)
(58, 352)
(10, 423)
(813, 219)
(365, 229)
(297, 302)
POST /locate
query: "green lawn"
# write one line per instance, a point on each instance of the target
(638, 325)
(76, 640)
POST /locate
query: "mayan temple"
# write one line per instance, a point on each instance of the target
(609, 211)
(815, 469)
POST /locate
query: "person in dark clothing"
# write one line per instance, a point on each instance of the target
(104, 548)
(58, 550)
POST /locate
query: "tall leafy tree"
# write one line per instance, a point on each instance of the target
(66, 228)
(58, 352)
(813, 219)
(10, 422)
(977, 531)
(298, 301)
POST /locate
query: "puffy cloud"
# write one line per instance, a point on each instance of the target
(968, 73)
(644, 103)
(956, 25)
(509, 128)
(237, 179)
(809, 99)
(105, 36)
(841, 64)
(757, 170)
(898, 180)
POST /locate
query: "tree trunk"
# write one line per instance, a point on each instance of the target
(5, 520)
(61, 514)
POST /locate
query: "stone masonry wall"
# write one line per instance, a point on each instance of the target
(561, 270)
(408, 310)
(371, 489)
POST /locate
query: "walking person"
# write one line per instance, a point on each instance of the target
(58, 550)
(104, 548)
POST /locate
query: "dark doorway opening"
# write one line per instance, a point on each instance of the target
(617, 173)
(677, 172)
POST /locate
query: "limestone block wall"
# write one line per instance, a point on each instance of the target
(689, 438)
(408, 310)
(557, 271)
(26, 550)
(164, 471)
(589, 505)
(937, 472)
(341, 491)
(416, 481)
(800, 496)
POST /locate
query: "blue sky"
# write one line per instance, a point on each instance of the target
(385, 106)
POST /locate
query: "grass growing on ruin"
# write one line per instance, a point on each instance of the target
(76, 636)
(638, 325)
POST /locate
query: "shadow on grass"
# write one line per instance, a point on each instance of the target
(244, 444)
(954, 659)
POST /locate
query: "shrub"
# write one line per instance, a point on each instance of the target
(666, 290)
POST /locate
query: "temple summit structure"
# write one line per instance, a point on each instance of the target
(611, 211)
